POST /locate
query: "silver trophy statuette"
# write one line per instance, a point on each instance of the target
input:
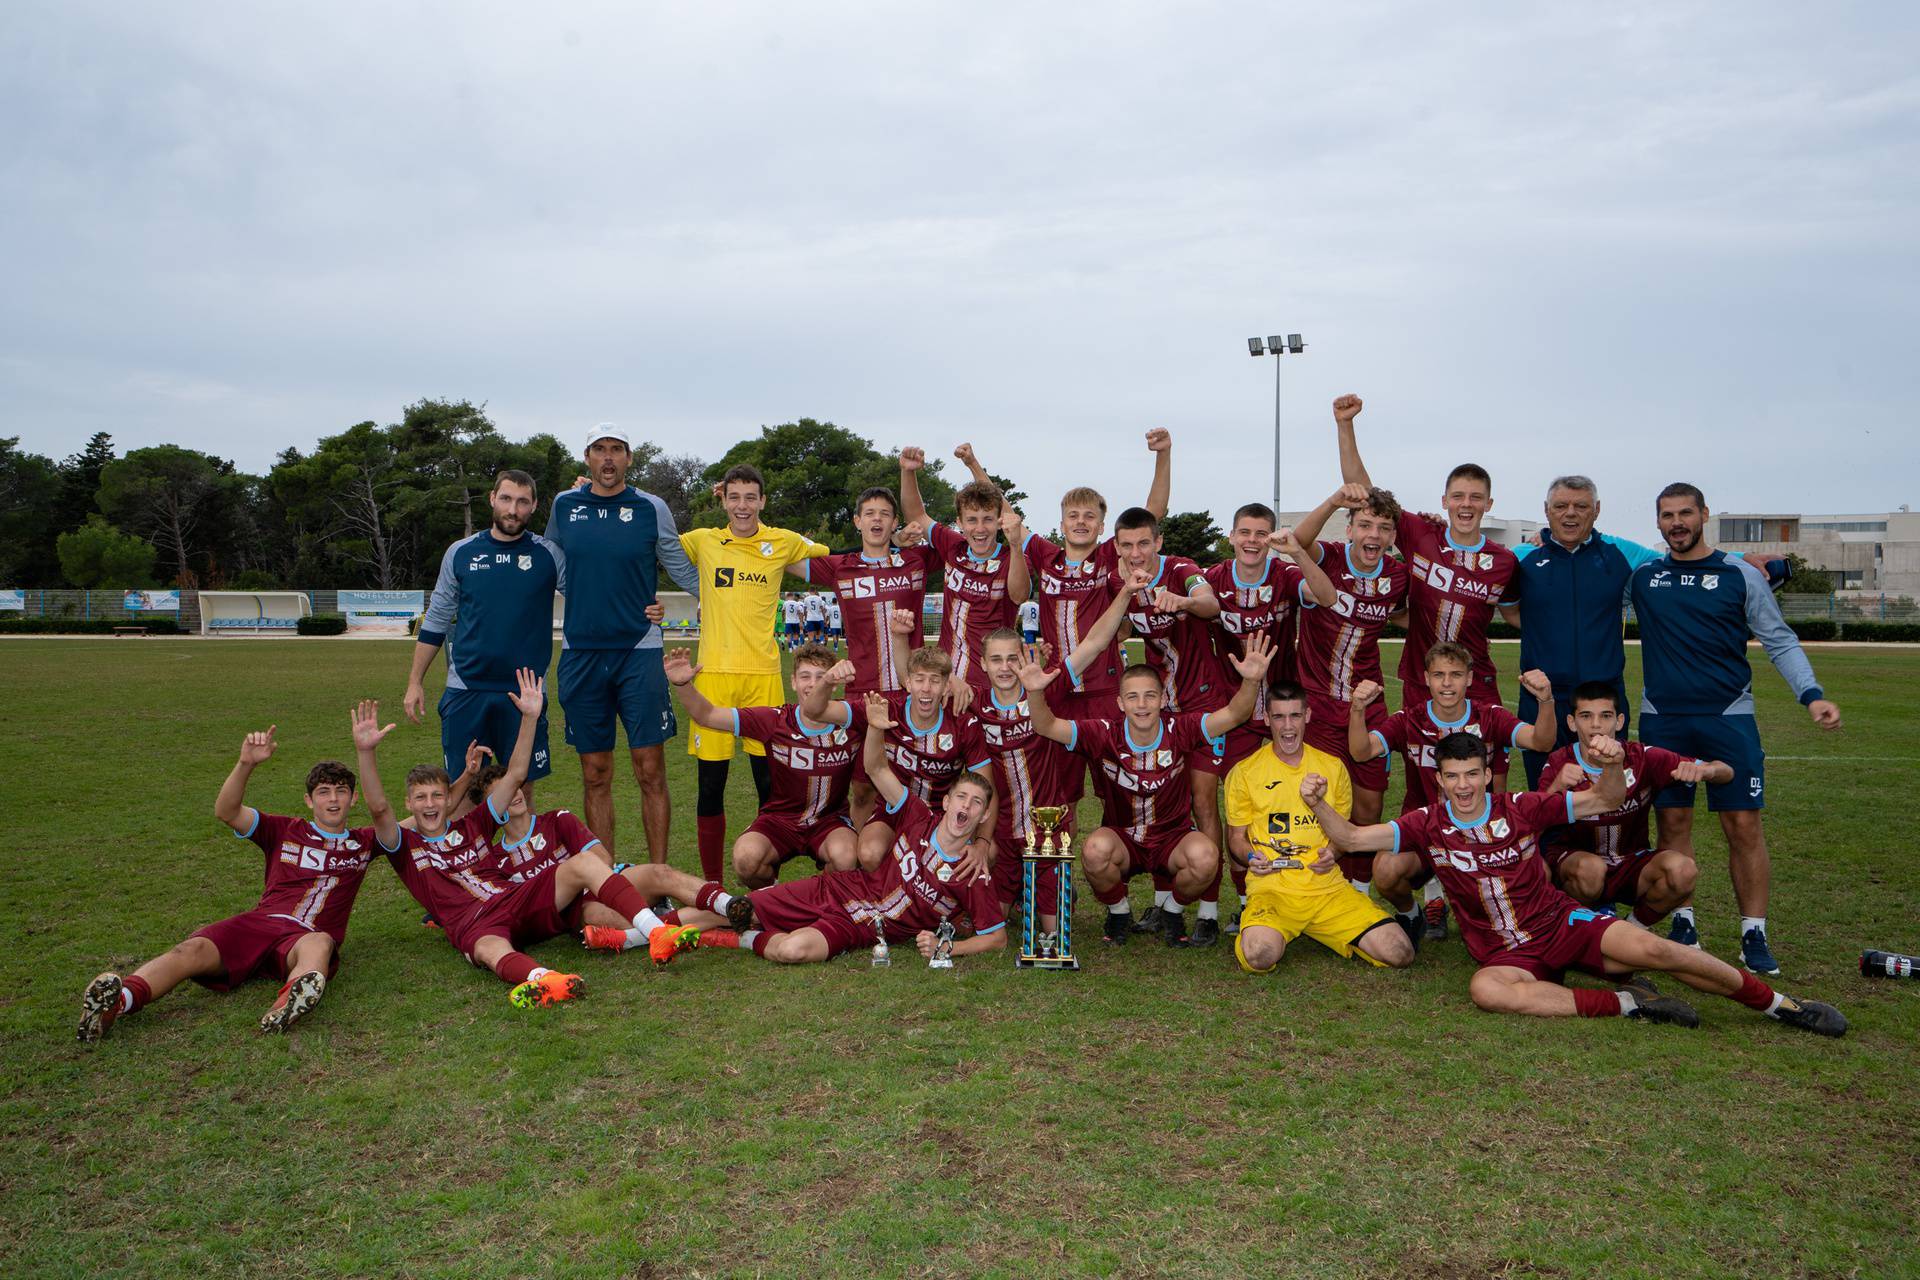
(882, 958)
(942, 947)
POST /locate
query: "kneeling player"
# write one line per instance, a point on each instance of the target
(810, 753)
(1608, 858)
(1524, 933)
(1140, 769)
(314, 868)
(1273, 833)
(930, 743)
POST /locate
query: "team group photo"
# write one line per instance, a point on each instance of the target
(1077, 810)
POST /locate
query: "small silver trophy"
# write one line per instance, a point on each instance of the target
(882, 958)
(942, 957)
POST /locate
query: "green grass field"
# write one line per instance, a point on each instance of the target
(1158, 1113)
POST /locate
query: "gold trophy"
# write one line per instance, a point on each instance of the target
(1281, 855)
(1046, 842)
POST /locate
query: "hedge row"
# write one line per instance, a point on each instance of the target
(38, 626)
(322, 624)
(1805, 628)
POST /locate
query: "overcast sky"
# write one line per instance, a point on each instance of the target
(1645, 241)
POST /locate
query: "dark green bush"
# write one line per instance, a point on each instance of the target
(1881, 631)
(323, 624)
(1815, 628)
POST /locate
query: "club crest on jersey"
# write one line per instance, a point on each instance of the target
(1265, 594)
(943, 872)
(1712, 583)
(1164, 758)
(524, 562)
(943, 743)
(626, 515)
(766, 549)
(1485, 560)
(1499, 828)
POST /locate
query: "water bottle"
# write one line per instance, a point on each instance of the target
(1887, 964)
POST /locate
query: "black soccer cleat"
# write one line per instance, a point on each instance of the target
(1149, 921)
(1436, 915)
(1206, 932)
(1811, 1015)
(1651, 1006)
(1173, 927)
(740, 912)
(1414, 926)
(1119, 927)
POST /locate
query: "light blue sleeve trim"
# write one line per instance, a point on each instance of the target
(400, 839)
(1396, 836)
(735, 713)
(1073, 740)
(1513, 739)
(1770, 628)
(588, 845)
(984, 764)
(494, 813)
(1380, 738)
(981, 933)
(899, 801)
(1306, 596)
(253, 827)
(1569, 796)
(1636, 555)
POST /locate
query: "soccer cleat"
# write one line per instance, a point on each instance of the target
(669, 940)
(99, 1007)
(550, 987)
(1436, 915)
(1651, 1006)
(719, 938)
(1232, 926)
(1414, 925)
(1680, 929)
(603, 937)
(1149, 921)
(740, 912)
(1811, 1015)
(1205, 932)
(1119, 927)
(1756, 955)
(297, 998)
(1173, 926)
(428, 922)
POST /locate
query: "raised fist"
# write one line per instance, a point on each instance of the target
(903, 622)
(1537, 684)
(1604, 751)
(1366, 692)
(1313, 789)
(1691, 771)
(1282, 542)
(1351, 496)
(1571, 775)
(1159, 440)
(964, 452)
(912, 458)
(1346, 408)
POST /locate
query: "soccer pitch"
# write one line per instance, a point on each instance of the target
(1158, 1113)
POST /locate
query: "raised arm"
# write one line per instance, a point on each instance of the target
(1199, 599)
(873, 752)
(459, 803)
(367, 734)
(1381, 837)
(529, 699)
(230, 805)
(903, 623)
(1352, 470)
(1252, 666)
(1609, 790)
(912, 458)
(1307, 531)
(1160, 442)
(1109, 626)
(1035, 677)
(680, 674)
(1287, 542)
(1544, 733)
(1013, 530)
(1361, 744)
(972, 463)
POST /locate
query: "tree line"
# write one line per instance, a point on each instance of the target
(374, 506)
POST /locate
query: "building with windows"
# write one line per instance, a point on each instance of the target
(1873, 553)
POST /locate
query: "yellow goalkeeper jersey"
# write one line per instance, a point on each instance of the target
(740, 594)
(1263, 795)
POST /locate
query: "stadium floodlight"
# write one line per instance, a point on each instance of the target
(1276, 345)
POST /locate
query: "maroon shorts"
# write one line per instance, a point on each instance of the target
(1622, 883)
(805, 904)
(523, 915)
(1327, 730)
(791, 838)
(250, 941)
(1009, 875)
(1154, 855)
(1573, 944)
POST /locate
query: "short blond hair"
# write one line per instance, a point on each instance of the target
(1083, 497)
(931, 659)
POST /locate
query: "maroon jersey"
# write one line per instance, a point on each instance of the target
(1180, 646)
(1073, 594)
(1491, 868)
(868, 591)
(460, 867)
(312, 875)
(1265, 606)
(555, 836)
(1144, 790)
(1619, 833)
(809, 769)
(1027, 768)
(928, 760)
(1415, 731)
(1340, 645)
(975, 601)
(915, 887)
(1452, 591)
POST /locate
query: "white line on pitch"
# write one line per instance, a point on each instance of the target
(1862, 759)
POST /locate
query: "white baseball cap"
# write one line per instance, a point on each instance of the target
(609, 431)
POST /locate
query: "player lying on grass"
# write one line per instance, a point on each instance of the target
(810, 746)
(923, 880)
(1274, 834)
(498, 877)
(314, 866)
(1140, 763)
(1608, 858)
(930, 743)
(1524, 933)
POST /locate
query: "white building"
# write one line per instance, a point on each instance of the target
(1873, 553)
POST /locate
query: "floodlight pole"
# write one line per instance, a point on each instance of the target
(1277, 364)
(1276, 345)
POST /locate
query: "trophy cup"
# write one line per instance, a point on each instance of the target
(942, 957)
(1281, 855)
(881, 957)
(1047, 843)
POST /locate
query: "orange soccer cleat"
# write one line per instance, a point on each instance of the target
(669, 940)
(603, 937)
(550, 987)
(296, 1000)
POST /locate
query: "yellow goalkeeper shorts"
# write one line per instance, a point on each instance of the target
(727, 689)
(1334, 920)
